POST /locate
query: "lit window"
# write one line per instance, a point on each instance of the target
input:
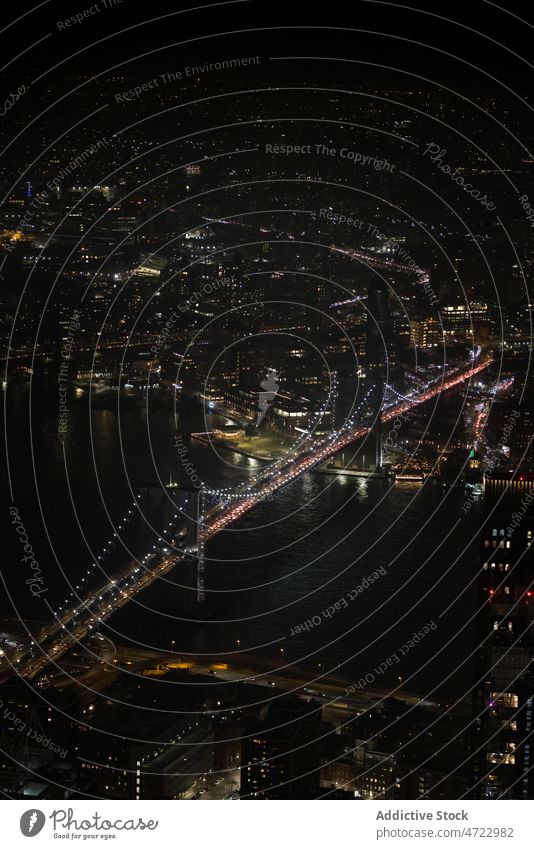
(509, 700)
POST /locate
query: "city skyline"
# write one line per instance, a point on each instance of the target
(267, 385)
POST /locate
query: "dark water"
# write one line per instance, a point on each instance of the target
(282, 565)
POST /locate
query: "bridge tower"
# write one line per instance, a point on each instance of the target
(379, 442)
(201, 555)
(194, 514)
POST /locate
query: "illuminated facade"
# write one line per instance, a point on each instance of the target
(280, 753)
(504, 695)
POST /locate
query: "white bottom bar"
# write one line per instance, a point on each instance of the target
(262, 825)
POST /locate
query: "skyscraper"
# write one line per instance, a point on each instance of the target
(504, 694)
(379, 349)
(281, 752)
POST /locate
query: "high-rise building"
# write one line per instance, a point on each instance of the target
(379, 350)
(281, 753)
(167, 762)
(427, 333)
(504, 694)
(465, 321)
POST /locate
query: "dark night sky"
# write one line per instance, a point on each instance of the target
(276, 28)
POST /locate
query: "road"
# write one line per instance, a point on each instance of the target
(325, 688)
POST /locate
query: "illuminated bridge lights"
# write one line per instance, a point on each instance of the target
(268, 481)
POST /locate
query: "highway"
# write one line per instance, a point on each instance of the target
(82, 618)
(327, 689)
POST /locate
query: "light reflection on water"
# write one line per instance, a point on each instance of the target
(282, 564)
